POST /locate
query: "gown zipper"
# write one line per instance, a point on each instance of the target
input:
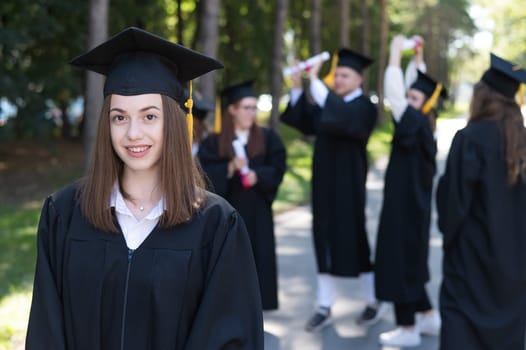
(130, 255)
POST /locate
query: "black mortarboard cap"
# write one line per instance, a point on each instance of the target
(352, 59)
(427, 85)
(233, 93)
(202, 105)
(136, 62)
(504, 76)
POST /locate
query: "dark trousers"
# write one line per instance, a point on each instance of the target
(405, 312)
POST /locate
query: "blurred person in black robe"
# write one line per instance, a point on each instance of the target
(342, 121)
(402, 246)
(138, 255)
(481, 199)
(249, 181)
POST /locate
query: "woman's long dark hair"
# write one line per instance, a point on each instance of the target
(256, 140)
(181, 182)
(487, 103)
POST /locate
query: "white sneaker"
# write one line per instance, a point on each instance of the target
(428, 324)
(400, 337)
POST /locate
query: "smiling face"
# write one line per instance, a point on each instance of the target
(244, 113)
(136, 127)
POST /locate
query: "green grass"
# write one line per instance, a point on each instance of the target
(295, 188)
(17, 243)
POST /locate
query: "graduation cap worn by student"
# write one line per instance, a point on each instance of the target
(137, 62)
(431, 88)
(505, 77)
(347, 58)
(230, 95)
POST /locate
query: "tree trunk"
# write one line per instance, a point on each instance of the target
(315, 27)
(209, 24)
(365, 45)
(98, 32)
(180, 39)
(66, 124)
(382, 54)
(344, 9)
(277, 55)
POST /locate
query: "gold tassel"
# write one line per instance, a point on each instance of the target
(431, 102)
(217, 119)
(520, 95)
(189, 117)
(329, 78)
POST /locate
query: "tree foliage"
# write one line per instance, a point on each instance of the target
(37, 38)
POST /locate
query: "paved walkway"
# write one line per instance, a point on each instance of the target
(297, 276)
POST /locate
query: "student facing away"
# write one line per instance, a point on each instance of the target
(481, 200)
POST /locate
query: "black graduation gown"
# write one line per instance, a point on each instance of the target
(482, 218)
(402, 245)
(254, 204)
(191, 286)
(339, 172)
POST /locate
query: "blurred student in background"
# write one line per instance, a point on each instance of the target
(481, 200)
(245, 164)
(402, 246)
(342, 121)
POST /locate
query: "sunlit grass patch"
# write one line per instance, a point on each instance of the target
(18, 245)
(14, 312)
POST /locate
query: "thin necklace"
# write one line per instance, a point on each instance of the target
(141, 206)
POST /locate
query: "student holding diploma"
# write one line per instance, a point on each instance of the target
(245, 164)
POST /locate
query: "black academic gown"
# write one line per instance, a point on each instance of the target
(402, 245)
(482, 218)
(254, 204)
(339, 172)
(191, 286)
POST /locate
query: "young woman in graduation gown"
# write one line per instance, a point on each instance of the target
(248, 181)
(138, 255)
(402, 245)
(481, 200)
(342, 120)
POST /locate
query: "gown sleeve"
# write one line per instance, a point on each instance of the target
(355, 119)
(229, 316)
(46, 323)
(302, 116)
(456, 187)
(270, 174)
(215, 168)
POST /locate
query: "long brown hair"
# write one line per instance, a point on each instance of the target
(256, 140)
(180, 181)
(432, 116)
(487, 103)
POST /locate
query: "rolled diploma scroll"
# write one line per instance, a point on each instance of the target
(307, 64)
(239, 150)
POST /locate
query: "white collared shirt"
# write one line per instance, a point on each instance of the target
(134, 231)
(242, 136)
(319, 93)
